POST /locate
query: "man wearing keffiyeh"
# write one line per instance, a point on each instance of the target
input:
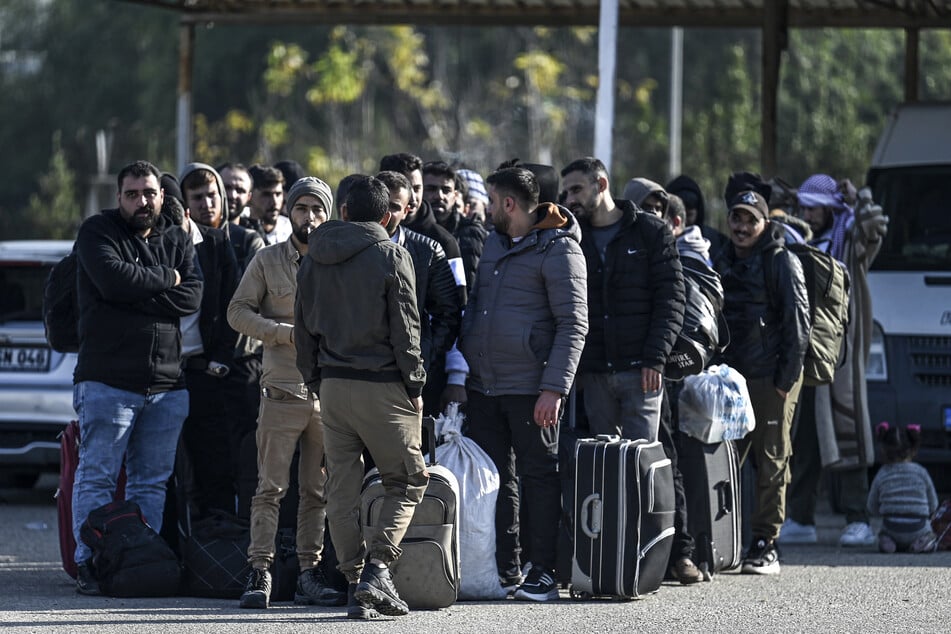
(833, 429)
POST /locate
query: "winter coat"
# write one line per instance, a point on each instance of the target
(635, 297)
(525, 323)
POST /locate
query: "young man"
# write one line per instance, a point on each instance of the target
(767, 310)
(263, 308)
(522, 335)
(363, 357)
(635, 295)
(136, 280)
(833, 430)
(266, 203)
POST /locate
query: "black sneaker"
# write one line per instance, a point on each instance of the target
(376, 588)
(762, 558)
(314, 589)
(86, 581)
(257, 594)
(357, 609)
(539, 585)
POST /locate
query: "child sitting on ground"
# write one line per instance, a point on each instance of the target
(902, 492)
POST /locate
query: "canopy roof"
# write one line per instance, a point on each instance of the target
(648, 13)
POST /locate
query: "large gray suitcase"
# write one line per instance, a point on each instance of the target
(624, 517)
(427, 573)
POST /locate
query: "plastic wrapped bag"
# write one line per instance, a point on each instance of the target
(715, 405)
(478, 490)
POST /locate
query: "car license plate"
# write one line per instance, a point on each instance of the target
(23, 359)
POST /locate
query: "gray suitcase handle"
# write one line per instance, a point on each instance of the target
(590, 516)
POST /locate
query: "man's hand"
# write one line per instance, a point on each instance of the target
(453, 394)
(782, 393)
(547, 408)
(178, 278)
(650, 380)
(417, 402)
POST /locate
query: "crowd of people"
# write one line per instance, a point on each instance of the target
(259, 300)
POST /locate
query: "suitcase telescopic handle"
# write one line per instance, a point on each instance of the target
(429, 428)
(590, 516)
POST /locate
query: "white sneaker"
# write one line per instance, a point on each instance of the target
(858, 534)
(792, 532)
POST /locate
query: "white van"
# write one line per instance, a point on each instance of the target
(909, 371)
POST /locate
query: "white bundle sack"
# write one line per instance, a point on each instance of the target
(478, 490)
(715, 405)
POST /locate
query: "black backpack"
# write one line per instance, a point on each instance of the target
(129, 559)
(61, 306)
(705, 332)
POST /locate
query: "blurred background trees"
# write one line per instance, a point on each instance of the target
(336, 98)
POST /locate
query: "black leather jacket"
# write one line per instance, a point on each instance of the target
(769, 327)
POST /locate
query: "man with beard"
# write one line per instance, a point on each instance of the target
(769, 328)
(263, 308)
(636, 297)
(245, 242)
(436, 295)
(439, 190)
(446, 376)
(136, 280)
(266, 202)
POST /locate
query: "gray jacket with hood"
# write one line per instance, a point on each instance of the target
(527, 317)
(355, 316)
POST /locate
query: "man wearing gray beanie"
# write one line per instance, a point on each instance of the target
(263, 308)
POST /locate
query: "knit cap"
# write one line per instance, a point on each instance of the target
(476, 185)
(310, 186)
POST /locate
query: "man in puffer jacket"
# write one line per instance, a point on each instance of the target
(522, 335)
(769, 327)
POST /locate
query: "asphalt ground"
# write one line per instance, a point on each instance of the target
(822, 587)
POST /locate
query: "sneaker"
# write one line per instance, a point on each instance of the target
(886, 544)
(685, 571)
(357, 609)
(857, 534)
(376, 588)
(762, 558)
(314, 589)
(257, 594)
(86, 581)
(792, 532)
(539, 585)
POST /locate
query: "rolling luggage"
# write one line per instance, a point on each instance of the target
(68, 461)
(624, 517)
(711, 474)
(427, 573)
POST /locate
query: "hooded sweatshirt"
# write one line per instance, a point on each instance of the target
(371, 331)
(638, 189)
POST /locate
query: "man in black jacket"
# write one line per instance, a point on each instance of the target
(635, 300)
(136, 280)
(767, 310)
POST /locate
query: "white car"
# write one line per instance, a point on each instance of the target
(36, 382)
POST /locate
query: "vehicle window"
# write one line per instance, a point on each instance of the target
(918, 203)
(21, 291)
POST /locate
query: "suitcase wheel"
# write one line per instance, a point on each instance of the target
(578, 595)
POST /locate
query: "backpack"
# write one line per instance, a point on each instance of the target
(827, 285)
(705, 332)
(129, 559)
(61, 306)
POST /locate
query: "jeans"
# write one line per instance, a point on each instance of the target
(616, 404)
(114, 423)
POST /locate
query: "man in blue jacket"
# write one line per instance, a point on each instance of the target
(136, 280)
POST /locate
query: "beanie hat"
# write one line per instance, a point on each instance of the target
(310, 186)
(170, 187)
(292, 171)
(548, 181)
(476, 185)
(752, 202)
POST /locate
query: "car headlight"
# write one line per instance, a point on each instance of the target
(877, 367)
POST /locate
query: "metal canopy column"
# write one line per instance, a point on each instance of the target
(183, 137)
(607, 57)
(911, 64)
(773, 43)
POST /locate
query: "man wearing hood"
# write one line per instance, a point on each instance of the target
(362, 355)
(647, 195)
(136, 279)
(769, 327)
(635, 295)
(689, 192)
(522, 334)
(263, 308)
(208, 342)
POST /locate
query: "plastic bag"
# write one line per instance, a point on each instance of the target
(715, 405)
(478, 490)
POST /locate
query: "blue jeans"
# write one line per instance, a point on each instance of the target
(114, 423)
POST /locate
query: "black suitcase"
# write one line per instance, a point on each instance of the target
(711, 475)
(624, 517)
